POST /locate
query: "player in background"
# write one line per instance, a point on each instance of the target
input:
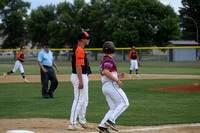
(133, 59)
(18, 64)
(79, 79)
(111, 87)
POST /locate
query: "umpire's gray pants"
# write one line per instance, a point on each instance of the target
(45, 77)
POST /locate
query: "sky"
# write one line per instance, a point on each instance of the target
(35, 3)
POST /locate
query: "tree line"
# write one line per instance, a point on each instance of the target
(125, 22)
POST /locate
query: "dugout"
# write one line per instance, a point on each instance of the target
(182, 54)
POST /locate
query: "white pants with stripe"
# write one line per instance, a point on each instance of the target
(117, 101)
(134, 64)
(18, 65)
(80, 102)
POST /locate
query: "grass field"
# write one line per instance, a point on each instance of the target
(35, 70)
(147, 107)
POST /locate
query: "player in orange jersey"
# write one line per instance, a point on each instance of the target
(18, 64)
(133, 59)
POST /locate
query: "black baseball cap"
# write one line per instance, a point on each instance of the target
(83, 35)
(46, 44)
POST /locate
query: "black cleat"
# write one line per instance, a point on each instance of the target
(102, 130)
(111, 125)
(46, 96)
(51, 95)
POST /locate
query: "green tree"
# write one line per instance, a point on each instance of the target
(189, 15)
(130, 22)
(38, 22)
(12, 25)
(143, 23)
(64, 30)
(94, 17)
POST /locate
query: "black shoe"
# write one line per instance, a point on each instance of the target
(51, 95)
(102, 130)
(111, 125)
(46, 96)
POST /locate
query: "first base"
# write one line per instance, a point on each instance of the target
(19, 131)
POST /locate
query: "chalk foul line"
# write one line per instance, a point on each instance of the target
(156, 128)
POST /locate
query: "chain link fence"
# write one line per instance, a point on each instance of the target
(149, 57)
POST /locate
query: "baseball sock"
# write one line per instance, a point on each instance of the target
(23, 76)
(136, 71)
(9, 72)
(130, 71)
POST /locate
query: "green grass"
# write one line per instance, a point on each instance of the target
(35, 70)
(147, 107)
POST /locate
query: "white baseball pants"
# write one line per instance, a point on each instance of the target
(80, 102)
(18, 65)
(116, 99)
(134, 64)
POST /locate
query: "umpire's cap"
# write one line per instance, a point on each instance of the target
(83, 35)
(46, 44)
(108, 47)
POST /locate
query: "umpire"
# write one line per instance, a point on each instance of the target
(45, 61)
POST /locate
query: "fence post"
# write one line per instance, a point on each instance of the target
(124, 55)
(140, 55)
(95, 54)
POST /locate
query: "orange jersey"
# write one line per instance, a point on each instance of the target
(133, 55)
(20, 55)
(79, 58)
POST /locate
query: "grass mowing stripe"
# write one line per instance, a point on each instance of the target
(35, 70)
(147, 107)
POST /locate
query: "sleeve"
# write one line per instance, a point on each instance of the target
(130, 54)
(107, 65)
(19, 54)
(80, 57)
(40, 56)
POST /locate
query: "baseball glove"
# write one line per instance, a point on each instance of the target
(139, 64)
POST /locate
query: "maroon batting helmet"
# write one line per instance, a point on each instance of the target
(108, 47)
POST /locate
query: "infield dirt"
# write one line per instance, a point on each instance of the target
(36, 78)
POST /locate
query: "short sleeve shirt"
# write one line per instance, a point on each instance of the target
(46, 58)
(79, 58)
(109, 64)
(133, 55)
(20, 55)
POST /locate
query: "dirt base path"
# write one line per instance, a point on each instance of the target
(36, 78)
(46, 125)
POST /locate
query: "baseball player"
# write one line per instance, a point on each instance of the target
(79, 79)
(18, 64)
(133, 59)
(115, 96)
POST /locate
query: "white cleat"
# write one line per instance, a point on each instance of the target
(137, 76)
(129, 75)
(4, 75)
(75, 128)
(86, 126)
(26, 81)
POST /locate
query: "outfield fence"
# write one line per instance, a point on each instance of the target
(148, 56)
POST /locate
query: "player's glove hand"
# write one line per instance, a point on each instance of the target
(139, 64)
(119, 83)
